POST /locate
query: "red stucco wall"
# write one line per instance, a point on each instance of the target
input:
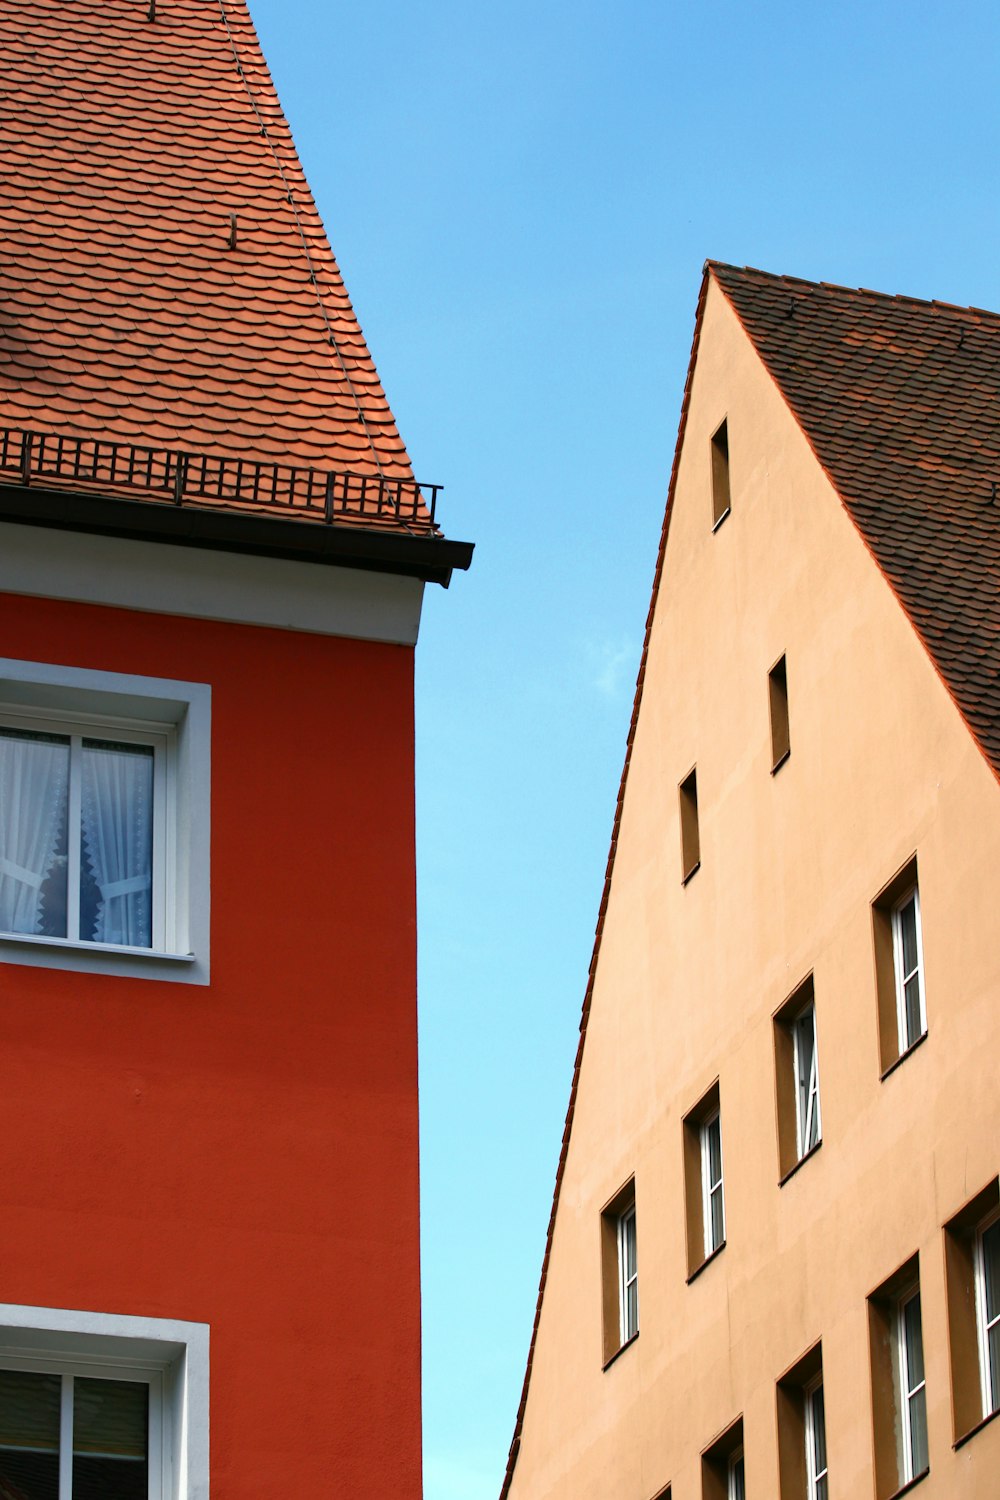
(245, 1154)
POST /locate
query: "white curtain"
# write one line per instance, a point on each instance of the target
(117, 809)
(34, 776)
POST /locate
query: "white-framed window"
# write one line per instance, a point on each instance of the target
(628, 1275)
(101, 1407)
(736, 1478)
(104, 821)
(912, 1392)
(807, 1112)
(815, 1432)
(987, 1266)
(713, 1202)
(907, 957)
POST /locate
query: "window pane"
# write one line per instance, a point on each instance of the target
(714, 1130)
(29, 1435)
(991, 1266)
(34, 782)
(110, 1422)
(630, 1246)
(914, 1344)
(914, 1024)
(718, 1226)
(632, 1310)
(908, 935)
(818, 1408)
(737, 1485)
(918, 1430)
(993, 1342)
(116, 855)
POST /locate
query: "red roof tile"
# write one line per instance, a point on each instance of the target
(899, 400)
(125, 313)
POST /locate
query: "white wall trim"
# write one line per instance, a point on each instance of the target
(188, 707)
(179, 1349)
(161, 578)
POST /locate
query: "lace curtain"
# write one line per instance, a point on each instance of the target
(34, 777)
(117, 815)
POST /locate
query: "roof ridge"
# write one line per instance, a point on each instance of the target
(781, 279)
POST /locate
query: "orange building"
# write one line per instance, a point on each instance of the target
(773, 1262)
(212, 557)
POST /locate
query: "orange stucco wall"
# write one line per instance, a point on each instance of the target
(689, 977)
(245, 1154)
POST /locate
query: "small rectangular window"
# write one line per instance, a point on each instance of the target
(816, 1467)
(911, 1019)
(628, 1276)
(796, 1072)
(723, 1474)
(988, 1311)
(70, 1435)
(619, 1271)
(721, 499)
(711, 1180)
(703, 1175)
(899, 1396)
(690, 836)
(972, 1279)
(899, 966)
(777, 692)
(912, 1384)
(802, 1467)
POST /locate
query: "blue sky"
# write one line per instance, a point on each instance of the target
(521, 197)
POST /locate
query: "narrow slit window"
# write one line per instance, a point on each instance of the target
(628, 1273)
(907, 955)
(913, 1395)
(777, 690)
(721, 502)
(711, 1177)
(690, 836)
(815, 1424)
(988, 1312)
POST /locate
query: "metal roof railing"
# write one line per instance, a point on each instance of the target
(171, 477)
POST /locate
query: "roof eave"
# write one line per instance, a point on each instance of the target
(430, 558)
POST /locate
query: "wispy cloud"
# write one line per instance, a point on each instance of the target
(610, 666)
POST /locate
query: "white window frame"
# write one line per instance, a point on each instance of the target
(814, 1475)
(907, 1392)
(160, 1485)
(708, 1187)
(736, 1475)
(983, 1325)
(811, 1089)
(625, 1281)
(175, 717)
(900, 977)
(169, 1356)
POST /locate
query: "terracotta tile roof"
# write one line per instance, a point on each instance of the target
(900, 400)
(852, 369)
(134, 152)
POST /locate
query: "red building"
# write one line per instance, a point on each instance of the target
(212, 556)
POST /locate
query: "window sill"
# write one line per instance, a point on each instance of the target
(800, 1163)
(68, 945)
(903, 1056)
(725, 514)
(691, 873)
(706, 1262)
(782, 760)
(910, 1484)
(967, 1436)
(620, 1350)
